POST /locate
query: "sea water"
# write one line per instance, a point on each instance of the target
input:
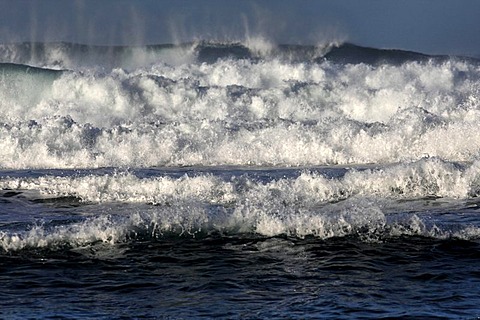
(238, 180)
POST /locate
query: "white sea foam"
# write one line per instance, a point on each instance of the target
(356, 217)
(424, 178)
(260, 46)
(242, 112)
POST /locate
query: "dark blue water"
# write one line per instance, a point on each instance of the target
(226, 273)
(219, 277)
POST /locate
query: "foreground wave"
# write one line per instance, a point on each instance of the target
(371, 204)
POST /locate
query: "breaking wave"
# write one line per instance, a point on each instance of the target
(267, 112)
(369, 203)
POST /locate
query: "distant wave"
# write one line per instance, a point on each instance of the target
(14, 68)
(350, 53)
(64, 55)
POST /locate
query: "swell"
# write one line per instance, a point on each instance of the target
(11, 69)
(64, 55)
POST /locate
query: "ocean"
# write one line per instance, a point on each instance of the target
(238, 180)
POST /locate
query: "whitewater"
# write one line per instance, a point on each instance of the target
(265, 112)
(238, 180)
